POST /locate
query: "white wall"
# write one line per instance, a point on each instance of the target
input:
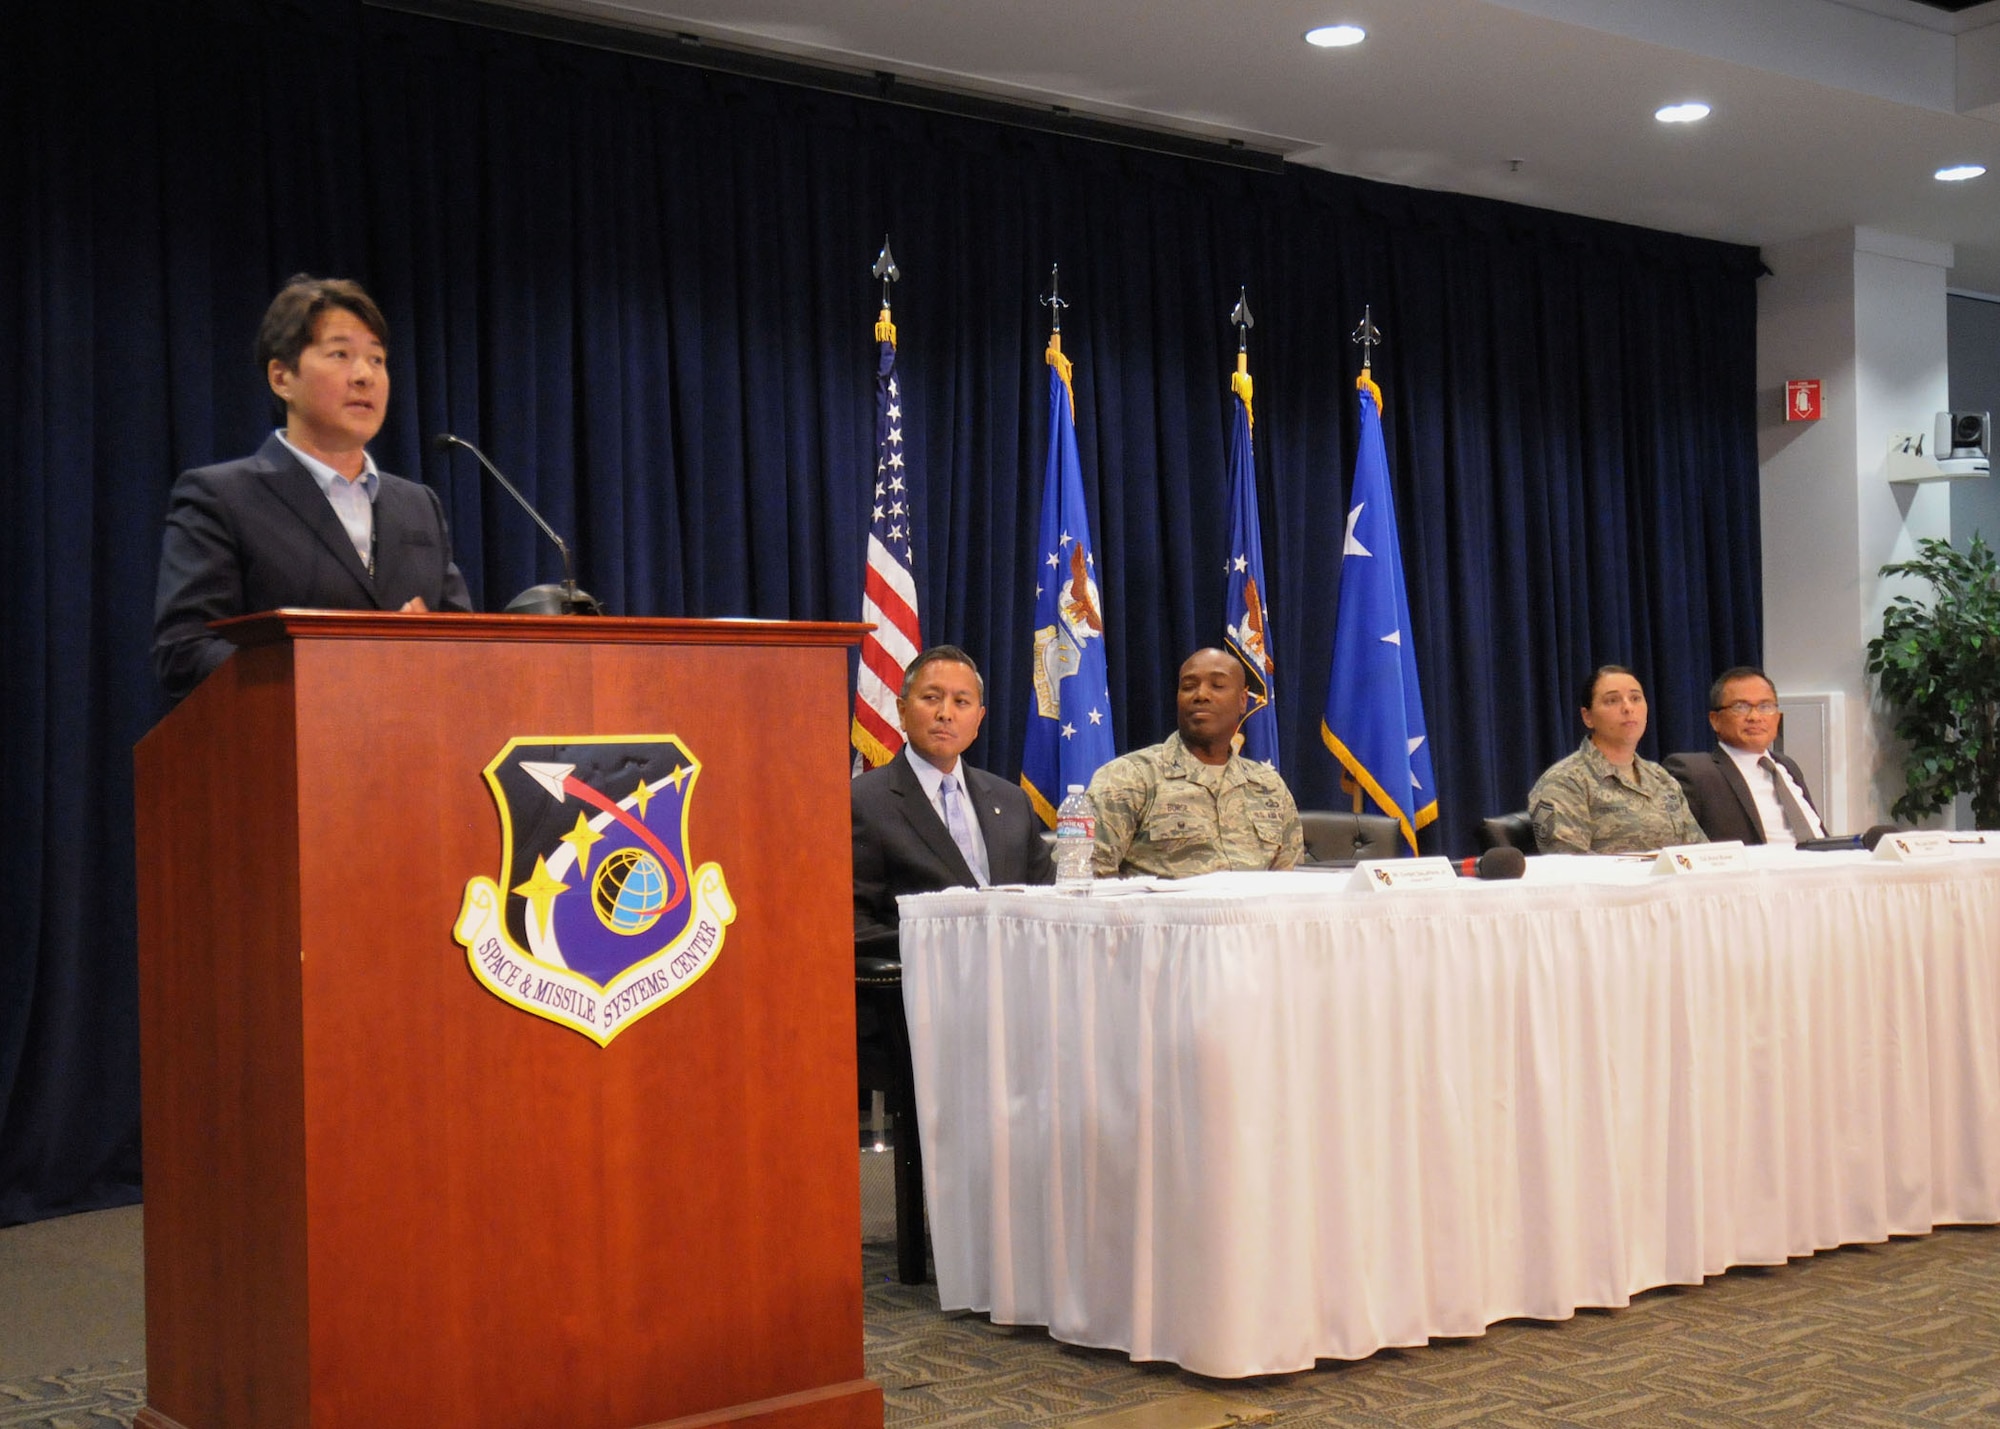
(1972, 332)
(1864, 312)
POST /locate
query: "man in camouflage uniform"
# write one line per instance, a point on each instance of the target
(1193, 804)
(1604, 798)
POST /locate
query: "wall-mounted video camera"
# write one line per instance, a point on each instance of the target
(1955, 449)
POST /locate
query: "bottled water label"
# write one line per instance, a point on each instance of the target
(1076, 840)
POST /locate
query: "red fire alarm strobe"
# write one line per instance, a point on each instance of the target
(1802, 400)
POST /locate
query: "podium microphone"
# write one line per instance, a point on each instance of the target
(563, 599)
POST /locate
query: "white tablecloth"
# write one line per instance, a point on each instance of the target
(1261, 1120)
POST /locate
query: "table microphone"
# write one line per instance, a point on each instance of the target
(1496, 863)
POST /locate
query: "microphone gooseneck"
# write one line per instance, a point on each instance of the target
(572, 600)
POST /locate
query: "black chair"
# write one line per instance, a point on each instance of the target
(882, 1056)
(1507, 831)
(1340, 840)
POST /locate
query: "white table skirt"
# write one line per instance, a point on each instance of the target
(1246, 1126)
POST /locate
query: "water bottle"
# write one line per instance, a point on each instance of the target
(1076, 840)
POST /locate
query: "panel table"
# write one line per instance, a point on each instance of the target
(1253, 1121)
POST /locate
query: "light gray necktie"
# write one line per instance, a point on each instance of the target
(953, 799)
(1795, 817)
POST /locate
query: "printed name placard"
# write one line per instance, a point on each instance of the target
(1916, 846)
(1384, 875)
(1723, 857)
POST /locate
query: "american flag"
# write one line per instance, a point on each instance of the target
(889, 590)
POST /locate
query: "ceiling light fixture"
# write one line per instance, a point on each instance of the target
(1686, 113)
(1959, 173)
(1334, 37)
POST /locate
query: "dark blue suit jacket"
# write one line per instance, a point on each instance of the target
(259, 534)
(902, 846)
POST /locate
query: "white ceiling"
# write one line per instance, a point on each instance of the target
(1828, 114)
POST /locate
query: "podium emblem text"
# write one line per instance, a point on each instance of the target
(604, 917)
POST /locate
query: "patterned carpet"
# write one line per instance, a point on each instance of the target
(1900, 1334)
(1897, 1334)
(78, 1399)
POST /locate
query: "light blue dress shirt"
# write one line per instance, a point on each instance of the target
(352, 501)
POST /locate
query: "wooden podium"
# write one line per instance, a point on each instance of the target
(378, 1194)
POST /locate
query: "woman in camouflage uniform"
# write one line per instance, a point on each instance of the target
(1604, 798)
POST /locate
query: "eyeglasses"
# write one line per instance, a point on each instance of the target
(1743, 707)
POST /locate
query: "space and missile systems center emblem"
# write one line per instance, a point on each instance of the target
(605, 917)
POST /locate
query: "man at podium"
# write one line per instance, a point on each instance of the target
(309, 520)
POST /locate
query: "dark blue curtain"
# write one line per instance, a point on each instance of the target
(644, 288)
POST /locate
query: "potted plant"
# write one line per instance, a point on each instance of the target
(1937, 664)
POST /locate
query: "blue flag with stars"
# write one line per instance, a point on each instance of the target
(1069, 720)
(1245, 616)
(1374, 720)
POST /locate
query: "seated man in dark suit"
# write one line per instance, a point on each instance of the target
(308, 521)
(1740, 789)
(927, 820)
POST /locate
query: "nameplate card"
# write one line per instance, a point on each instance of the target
(1384, 875)
(1918, 846)
(1724, 857)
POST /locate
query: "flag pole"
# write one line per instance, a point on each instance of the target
(1069, 732)
(889, 603)
(1368, 337)
(1374, 722)
(1243, 321)
(1240, 316)
(1054, 301)
(885, 268)
(1246, 621)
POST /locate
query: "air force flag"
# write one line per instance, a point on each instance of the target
(1069, 723)
(1374, 721)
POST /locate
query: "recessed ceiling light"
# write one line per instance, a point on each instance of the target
(1686, 113)
(1333, 37)
(1959, 173)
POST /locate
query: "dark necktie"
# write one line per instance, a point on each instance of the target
(1795, 817)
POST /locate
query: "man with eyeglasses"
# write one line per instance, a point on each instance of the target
(1742, 789)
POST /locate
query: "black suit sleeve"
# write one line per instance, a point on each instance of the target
(874, 902)
(1041, 862)
(1708, 797)
(452, 594)
(1681, 766)
(201, 579)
